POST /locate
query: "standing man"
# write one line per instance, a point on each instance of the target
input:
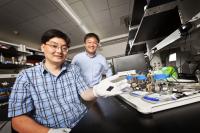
(92, 64)
(47, 98)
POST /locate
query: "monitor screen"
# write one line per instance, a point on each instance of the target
(131, 62)
(172, 57)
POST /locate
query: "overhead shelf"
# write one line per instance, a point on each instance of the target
(158, 22)
(176, 35)
(138, 12)
(13, 50)
(154, 3)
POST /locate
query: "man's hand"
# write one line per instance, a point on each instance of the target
(107, 88)
(59, 130)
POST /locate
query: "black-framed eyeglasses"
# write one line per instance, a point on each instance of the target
(55, 46)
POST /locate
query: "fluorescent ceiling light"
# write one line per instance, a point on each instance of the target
(69, 10)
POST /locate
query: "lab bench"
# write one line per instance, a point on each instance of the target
(113, 115)
(5, 124)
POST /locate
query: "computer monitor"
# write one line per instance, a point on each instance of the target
(172, 57)
(131, 62)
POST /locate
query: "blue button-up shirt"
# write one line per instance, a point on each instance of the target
(54, 100)
(92, 68)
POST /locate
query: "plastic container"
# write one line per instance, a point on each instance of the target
(141, 77)
(160, 76)
(129, 78)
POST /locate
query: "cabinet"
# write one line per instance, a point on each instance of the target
(13, 58)
(36, 56)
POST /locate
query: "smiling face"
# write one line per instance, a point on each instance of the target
(55, 51)
(91, 45)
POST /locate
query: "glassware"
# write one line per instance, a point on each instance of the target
(197, 74)
(2, 58)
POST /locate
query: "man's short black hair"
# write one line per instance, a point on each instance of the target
(91, 35)
(55, 33)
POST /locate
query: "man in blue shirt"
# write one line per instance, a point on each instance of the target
(48, 98)
(92, 64)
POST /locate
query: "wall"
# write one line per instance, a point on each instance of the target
(117, 49)
(17, 40)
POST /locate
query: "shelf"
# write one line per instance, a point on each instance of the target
(3, 104)
(4, 112)
(176, 35)
(5, 90)
(8, 76)
(158, 22)
(35, 57)
(138, 12)
(4, 98)
(8, 44)
(131, 34)
(154, 3)
(24, 52)
(167, 41)
(12, 66)
(10, 52)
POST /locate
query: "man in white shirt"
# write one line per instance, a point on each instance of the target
(92, 64)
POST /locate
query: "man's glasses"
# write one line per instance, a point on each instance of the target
(54, 46)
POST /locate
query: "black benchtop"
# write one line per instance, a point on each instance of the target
(112, 115)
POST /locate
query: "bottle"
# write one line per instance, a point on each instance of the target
(13, 60)
(129, 78)
(197, 74)
(2, 58)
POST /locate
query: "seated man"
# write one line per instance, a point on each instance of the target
(47, 98)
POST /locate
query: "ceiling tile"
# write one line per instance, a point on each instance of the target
(116, 22)
(42, 6)
(20, 9)
(96, 5)
(8, 20)
(114, 3)
(71, 1)
(89, 23)
(36, 24)
(4, 2)
(69, 26)
(57, 17)
(42, 22)
(102, 16)
(74, 32)
(80, 9)
(120, 11)
(105, 24)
